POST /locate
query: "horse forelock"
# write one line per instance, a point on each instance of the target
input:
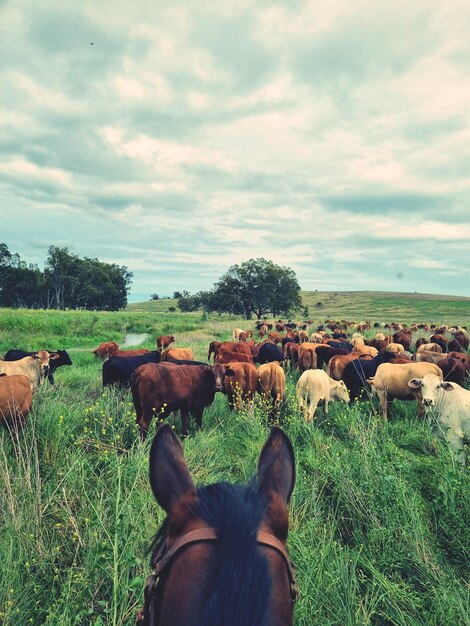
(240, 584)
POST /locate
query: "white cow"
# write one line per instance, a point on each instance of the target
(449, 404)
(316, 385)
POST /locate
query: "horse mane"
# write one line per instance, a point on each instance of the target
(240, 584)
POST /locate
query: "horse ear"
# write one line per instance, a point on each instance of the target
(169, 475)
(276, 465)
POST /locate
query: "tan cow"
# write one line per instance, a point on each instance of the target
(365, 350)
(236, 333)
(172, 354)
(15, 400)
(425, 356)
(430, 347)
(391, 382)
(35, 367)
(396, 348)
(241, 387)
(272, 385)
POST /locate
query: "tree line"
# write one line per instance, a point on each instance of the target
(67, 282)
(256, 287)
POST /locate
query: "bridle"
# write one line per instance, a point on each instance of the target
(149, 615)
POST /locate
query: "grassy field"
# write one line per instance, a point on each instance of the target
(379, 517)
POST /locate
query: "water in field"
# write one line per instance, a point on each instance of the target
(133, 339)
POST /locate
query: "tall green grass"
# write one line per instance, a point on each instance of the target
(379, 519)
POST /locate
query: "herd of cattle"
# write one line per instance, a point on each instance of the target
(336, 362)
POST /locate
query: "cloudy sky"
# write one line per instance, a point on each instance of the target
(178, 138)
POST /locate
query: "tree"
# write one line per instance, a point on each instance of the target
(154, 296)
(256, 286)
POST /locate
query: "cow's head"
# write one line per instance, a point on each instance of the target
(220, 372)
(44, 357)
(430, 388)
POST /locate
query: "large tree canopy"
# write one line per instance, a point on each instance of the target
(68, 281)
(255, 287)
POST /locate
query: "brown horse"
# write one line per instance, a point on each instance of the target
(220, 556)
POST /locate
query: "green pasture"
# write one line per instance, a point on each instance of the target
(379, 519)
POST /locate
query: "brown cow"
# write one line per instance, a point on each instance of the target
(241, 387)
(104, 350)
(160, 388)
(15, 400)
(213, 347)
(290, 352)
(461, 356)
(272, 385)
(172, 354)
(231, 346)
(453, 370)
(307, 356)
(227, 356)
(163, 341)
(338, 364)
(127, 353)
(275, 337)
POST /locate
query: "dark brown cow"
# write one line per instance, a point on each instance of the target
(227, 356)
(461, 356)
(164, 341)
(213, 347)
(16, 399)
(106, 349)
(241, 387)
(403, 339)
(460, 339)
(420, 342)
(160, 388)
(453, 370)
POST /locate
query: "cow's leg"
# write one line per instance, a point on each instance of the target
(184, 422)
(383, 402)
(455, 440)
(312, 408)
(50, 378)
(198, 417)
(326, 406)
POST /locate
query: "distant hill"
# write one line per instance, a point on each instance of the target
(363, 305)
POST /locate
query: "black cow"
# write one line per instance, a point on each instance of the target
(117, 370)
(357, 372)
(269, 353)
(340, 345)
(64, 359)
(324, 354)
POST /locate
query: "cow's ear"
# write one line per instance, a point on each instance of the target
(115, 344)
(276, 465)
(169, 475)
(447, 386)
(53, 356)
(35, 356)
(415, 383)
(229, 371)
